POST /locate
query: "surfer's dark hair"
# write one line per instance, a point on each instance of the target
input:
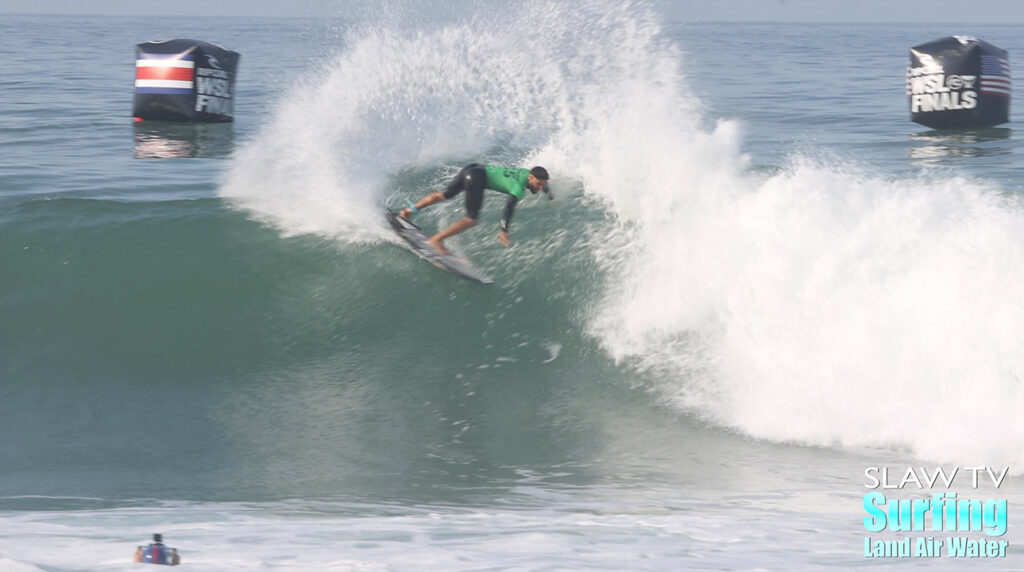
(539, 172)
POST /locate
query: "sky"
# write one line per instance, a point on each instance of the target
(848, 11)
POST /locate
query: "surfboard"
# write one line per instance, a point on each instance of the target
(418, 241)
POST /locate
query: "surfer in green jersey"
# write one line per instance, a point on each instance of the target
(473, 179)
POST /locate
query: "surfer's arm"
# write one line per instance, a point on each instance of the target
(506, 220)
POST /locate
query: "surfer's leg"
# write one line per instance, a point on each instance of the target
(472, 179)
(424, 203)
(459, 183)
(475, 192)
(461, 225)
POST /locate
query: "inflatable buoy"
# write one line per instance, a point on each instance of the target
(959, 82)
(184, 80)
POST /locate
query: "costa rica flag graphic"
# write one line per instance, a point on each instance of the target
(170, 74)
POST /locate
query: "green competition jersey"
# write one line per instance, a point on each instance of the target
(506, 180)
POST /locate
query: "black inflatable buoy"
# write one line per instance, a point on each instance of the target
(184, 80)
(959, 82)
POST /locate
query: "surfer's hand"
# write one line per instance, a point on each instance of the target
(405, 213)
(503, 239)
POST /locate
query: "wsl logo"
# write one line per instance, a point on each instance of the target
(214, 89)
(930, 89)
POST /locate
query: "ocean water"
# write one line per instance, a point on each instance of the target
(759, 280)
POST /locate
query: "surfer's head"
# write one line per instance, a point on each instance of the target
(538, 180)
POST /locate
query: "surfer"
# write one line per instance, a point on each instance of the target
(473, 179)
(157, 553)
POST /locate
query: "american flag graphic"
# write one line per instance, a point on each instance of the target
(165, 73)
(995, 75)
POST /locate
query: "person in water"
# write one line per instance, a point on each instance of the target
(157, 553)
(473, 179)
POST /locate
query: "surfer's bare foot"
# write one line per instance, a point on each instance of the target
(405, 213)
(438, 246)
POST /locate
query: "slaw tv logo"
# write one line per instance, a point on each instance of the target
(938, 523)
